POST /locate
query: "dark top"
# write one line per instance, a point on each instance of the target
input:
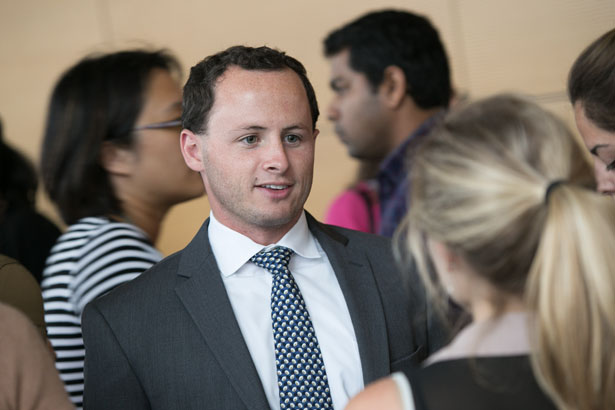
(486, 383)
(27, 236)
(394, 179)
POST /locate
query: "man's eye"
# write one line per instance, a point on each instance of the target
(250, 139)
(340, 90)
(610, 166)
(292, 138)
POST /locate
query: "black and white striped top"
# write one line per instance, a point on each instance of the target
(94, 256)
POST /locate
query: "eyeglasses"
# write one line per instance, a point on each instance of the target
(160, 125)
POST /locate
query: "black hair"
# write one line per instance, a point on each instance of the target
(386, 38)
(97, 100)
(18, 179)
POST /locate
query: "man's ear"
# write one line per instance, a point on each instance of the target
(392, 90)
(191, 148)
(117, 160)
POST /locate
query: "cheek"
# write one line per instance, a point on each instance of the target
(163, 151)
(356, 107)
(367, 112)
(223, 168)
(303, 160)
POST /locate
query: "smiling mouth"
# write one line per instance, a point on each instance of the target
(275, 187)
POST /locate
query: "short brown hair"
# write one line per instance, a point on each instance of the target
(199, 91)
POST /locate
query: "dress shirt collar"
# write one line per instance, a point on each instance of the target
(232, 249)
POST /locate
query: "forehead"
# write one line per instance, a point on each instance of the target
(595, 138)
(280, 81)
(162, 94)
(343, 74)
(258, 94)
(161, 83)
(340, 63)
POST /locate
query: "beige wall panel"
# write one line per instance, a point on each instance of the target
(40, 39)
(528, 45)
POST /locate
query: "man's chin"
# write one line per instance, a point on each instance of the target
(270, 221)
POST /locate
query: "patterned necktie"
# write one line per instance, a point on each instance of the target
(301, 371)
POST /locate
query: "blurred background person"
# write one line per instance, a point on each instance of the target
(28, 380)
(358, 207)
(111, 164)
(25, 234)
(391, 79)
(591, 88)
(504, 208)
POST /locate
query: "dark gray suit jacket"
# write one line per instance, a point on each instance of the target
(169, 339)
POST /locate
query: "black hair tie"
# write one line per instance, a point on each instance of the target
(551, 187)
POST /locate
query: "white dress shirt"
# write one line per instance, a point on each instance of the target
(249, 290)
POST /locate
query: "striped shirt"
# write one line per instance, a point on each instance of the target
(94, 256)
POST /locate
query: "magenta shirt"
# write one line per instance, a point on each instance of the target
(356, 208)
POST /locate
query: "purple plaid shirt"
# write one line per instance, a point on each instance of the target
(393, 179)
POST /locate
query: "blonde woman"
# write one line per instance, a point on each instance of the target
(504, 210)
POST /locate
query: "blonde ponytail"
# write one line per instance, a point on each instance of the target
(571, 289)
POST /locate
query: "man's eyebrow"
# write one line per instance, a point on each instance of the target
(252, 128)
(261, 128)
(594, 150)
(295, 127)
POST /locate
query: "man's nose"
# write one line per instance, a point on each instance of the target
(333, 113)
(275, 157)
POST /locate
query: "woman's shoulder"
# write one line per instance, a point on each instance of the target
(382, 394)
(94, 239)
(98, 230)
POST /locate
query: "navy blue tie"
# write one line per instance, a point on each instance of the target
(302, 378)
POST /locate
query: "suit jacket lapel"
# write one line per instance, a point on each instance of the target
(205, 298)
(356, 278)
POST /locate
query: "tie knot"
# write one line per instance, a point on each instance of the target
(273, 259)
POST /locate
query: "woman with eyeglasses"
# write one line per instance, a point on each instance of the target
(505, 220)
(111, 164)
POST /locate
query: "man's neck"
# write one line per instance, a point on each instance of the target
(263, 235)
(408, 119)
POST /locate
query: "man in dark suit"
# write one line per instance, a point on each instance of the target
(266, 307)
